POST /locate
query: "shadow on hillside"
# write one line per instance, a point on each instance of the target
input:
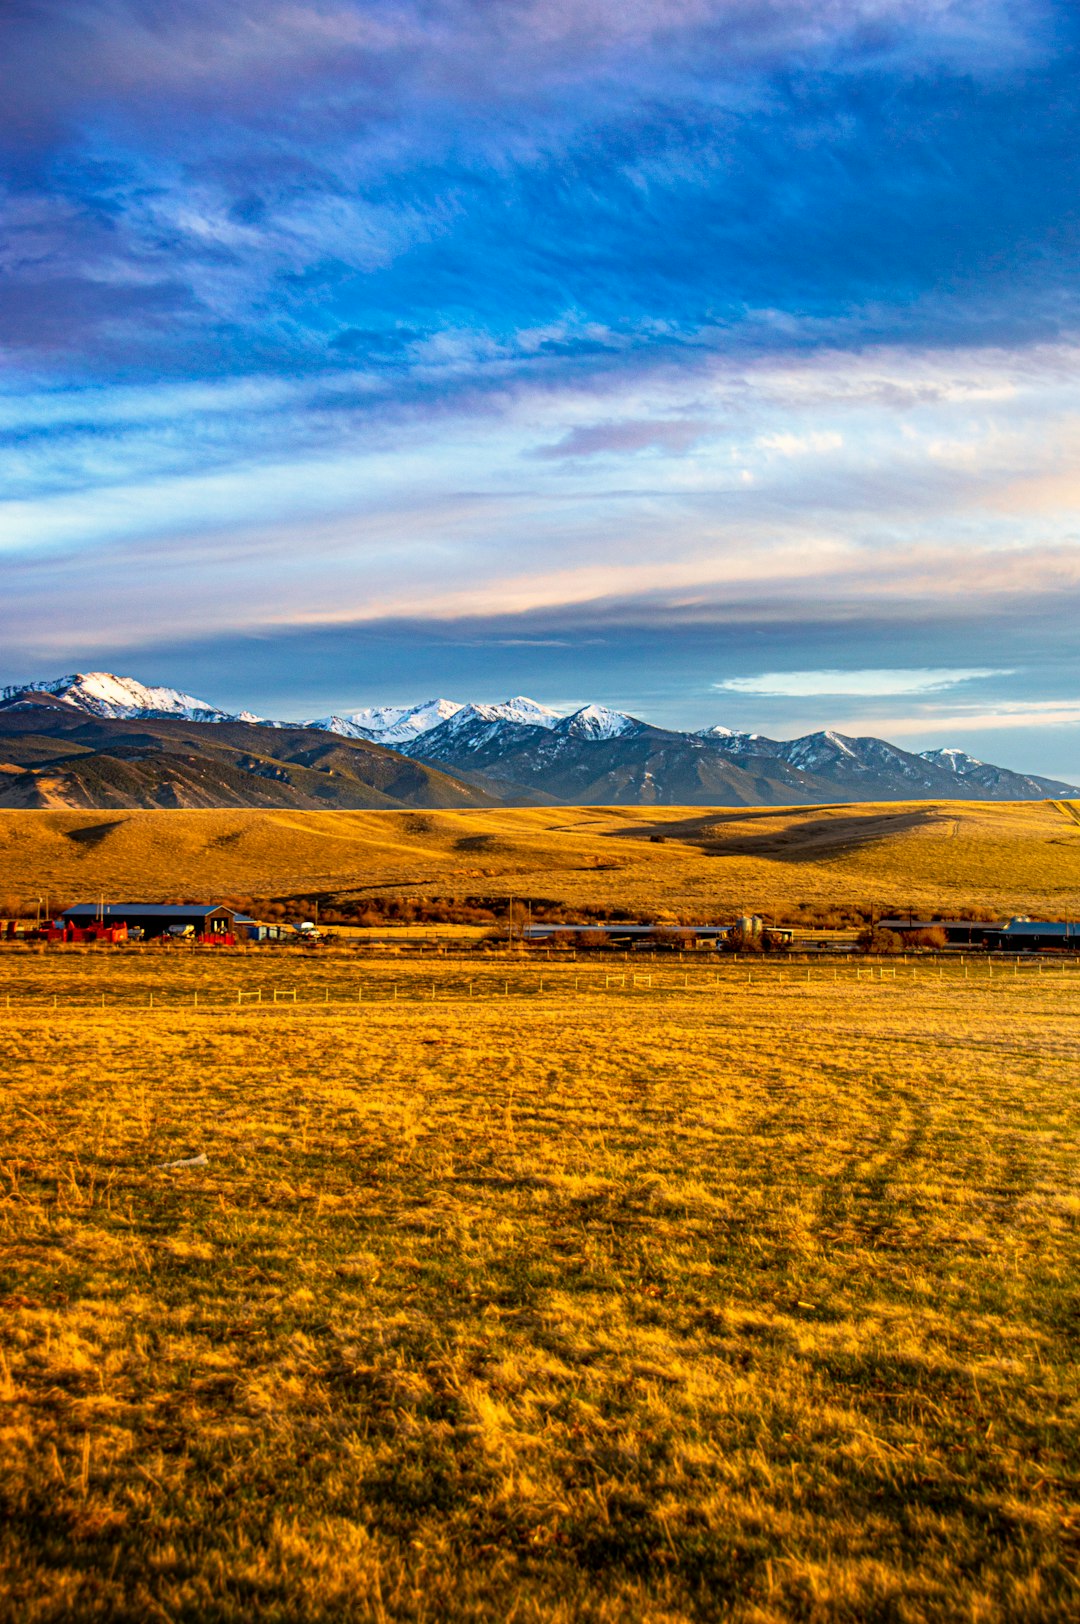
(805, 839)
(93, 833)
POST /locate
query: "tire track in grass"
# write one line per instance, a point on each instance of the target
(1068, 809)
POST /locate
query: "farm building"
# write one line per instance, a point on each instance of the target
(957, 932)
(619, 932)
(1033, 935)
(203, 921)
(255, 931)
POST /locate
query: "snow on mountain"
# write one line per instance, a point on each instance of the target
(952, 760)
(596, 722)
(99, 693)
(398, 726)
(344, 725)
(998, 780)
(485, 728)
(726, 738)
(846, 758)
(389, 724)
(521, 738)
(816, 749)
(525, 712)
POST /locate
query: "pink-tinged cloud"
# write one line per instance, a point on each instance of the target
(485, 48)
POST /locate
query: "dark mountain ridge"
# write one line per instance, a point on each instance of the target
(88, 747)
(53, 754)
(645, 765)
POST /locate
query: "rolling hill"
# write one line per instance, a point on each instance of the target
(931, 856)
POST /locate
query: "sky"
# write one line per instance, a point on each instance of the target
(711, 359)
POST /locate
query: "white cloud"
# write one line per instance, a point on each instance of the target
(800, 445)
(131, 509)
(960, 720)
(800, 684)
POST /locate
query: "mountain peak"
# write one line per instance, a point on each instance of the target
(953, 760)
(389, 724)
(597, 722)
(520, 709)
(100, 693)
(814, 748)
(402, 725)
(727, 738)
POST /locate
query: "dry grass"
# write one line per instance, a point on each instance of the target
(1068, 809)
(1016, 857)
(690, 1301)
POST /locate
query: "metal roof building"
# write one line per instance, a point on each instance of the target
(1026, 935)
(158, 918)
(960, 932)
(615, 928)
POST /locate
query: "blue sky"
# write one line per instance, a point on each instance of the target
(715, 360)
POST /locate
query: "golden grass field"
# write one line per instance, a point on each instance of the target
(701, 1298)
(1013, 857)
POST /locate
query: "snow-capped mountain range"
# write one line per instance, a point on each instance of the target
(99, 693)
(400, 726)
(522, 749)
(397, 726)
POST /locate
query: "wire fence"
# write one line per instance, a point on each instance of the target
(526, 984)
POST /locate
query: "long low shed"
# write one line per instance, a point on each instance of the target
(957, 932)
(1031, 935)
(614, 930)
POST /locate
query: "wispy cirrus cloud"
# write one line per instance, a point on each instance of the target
(269, 178)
